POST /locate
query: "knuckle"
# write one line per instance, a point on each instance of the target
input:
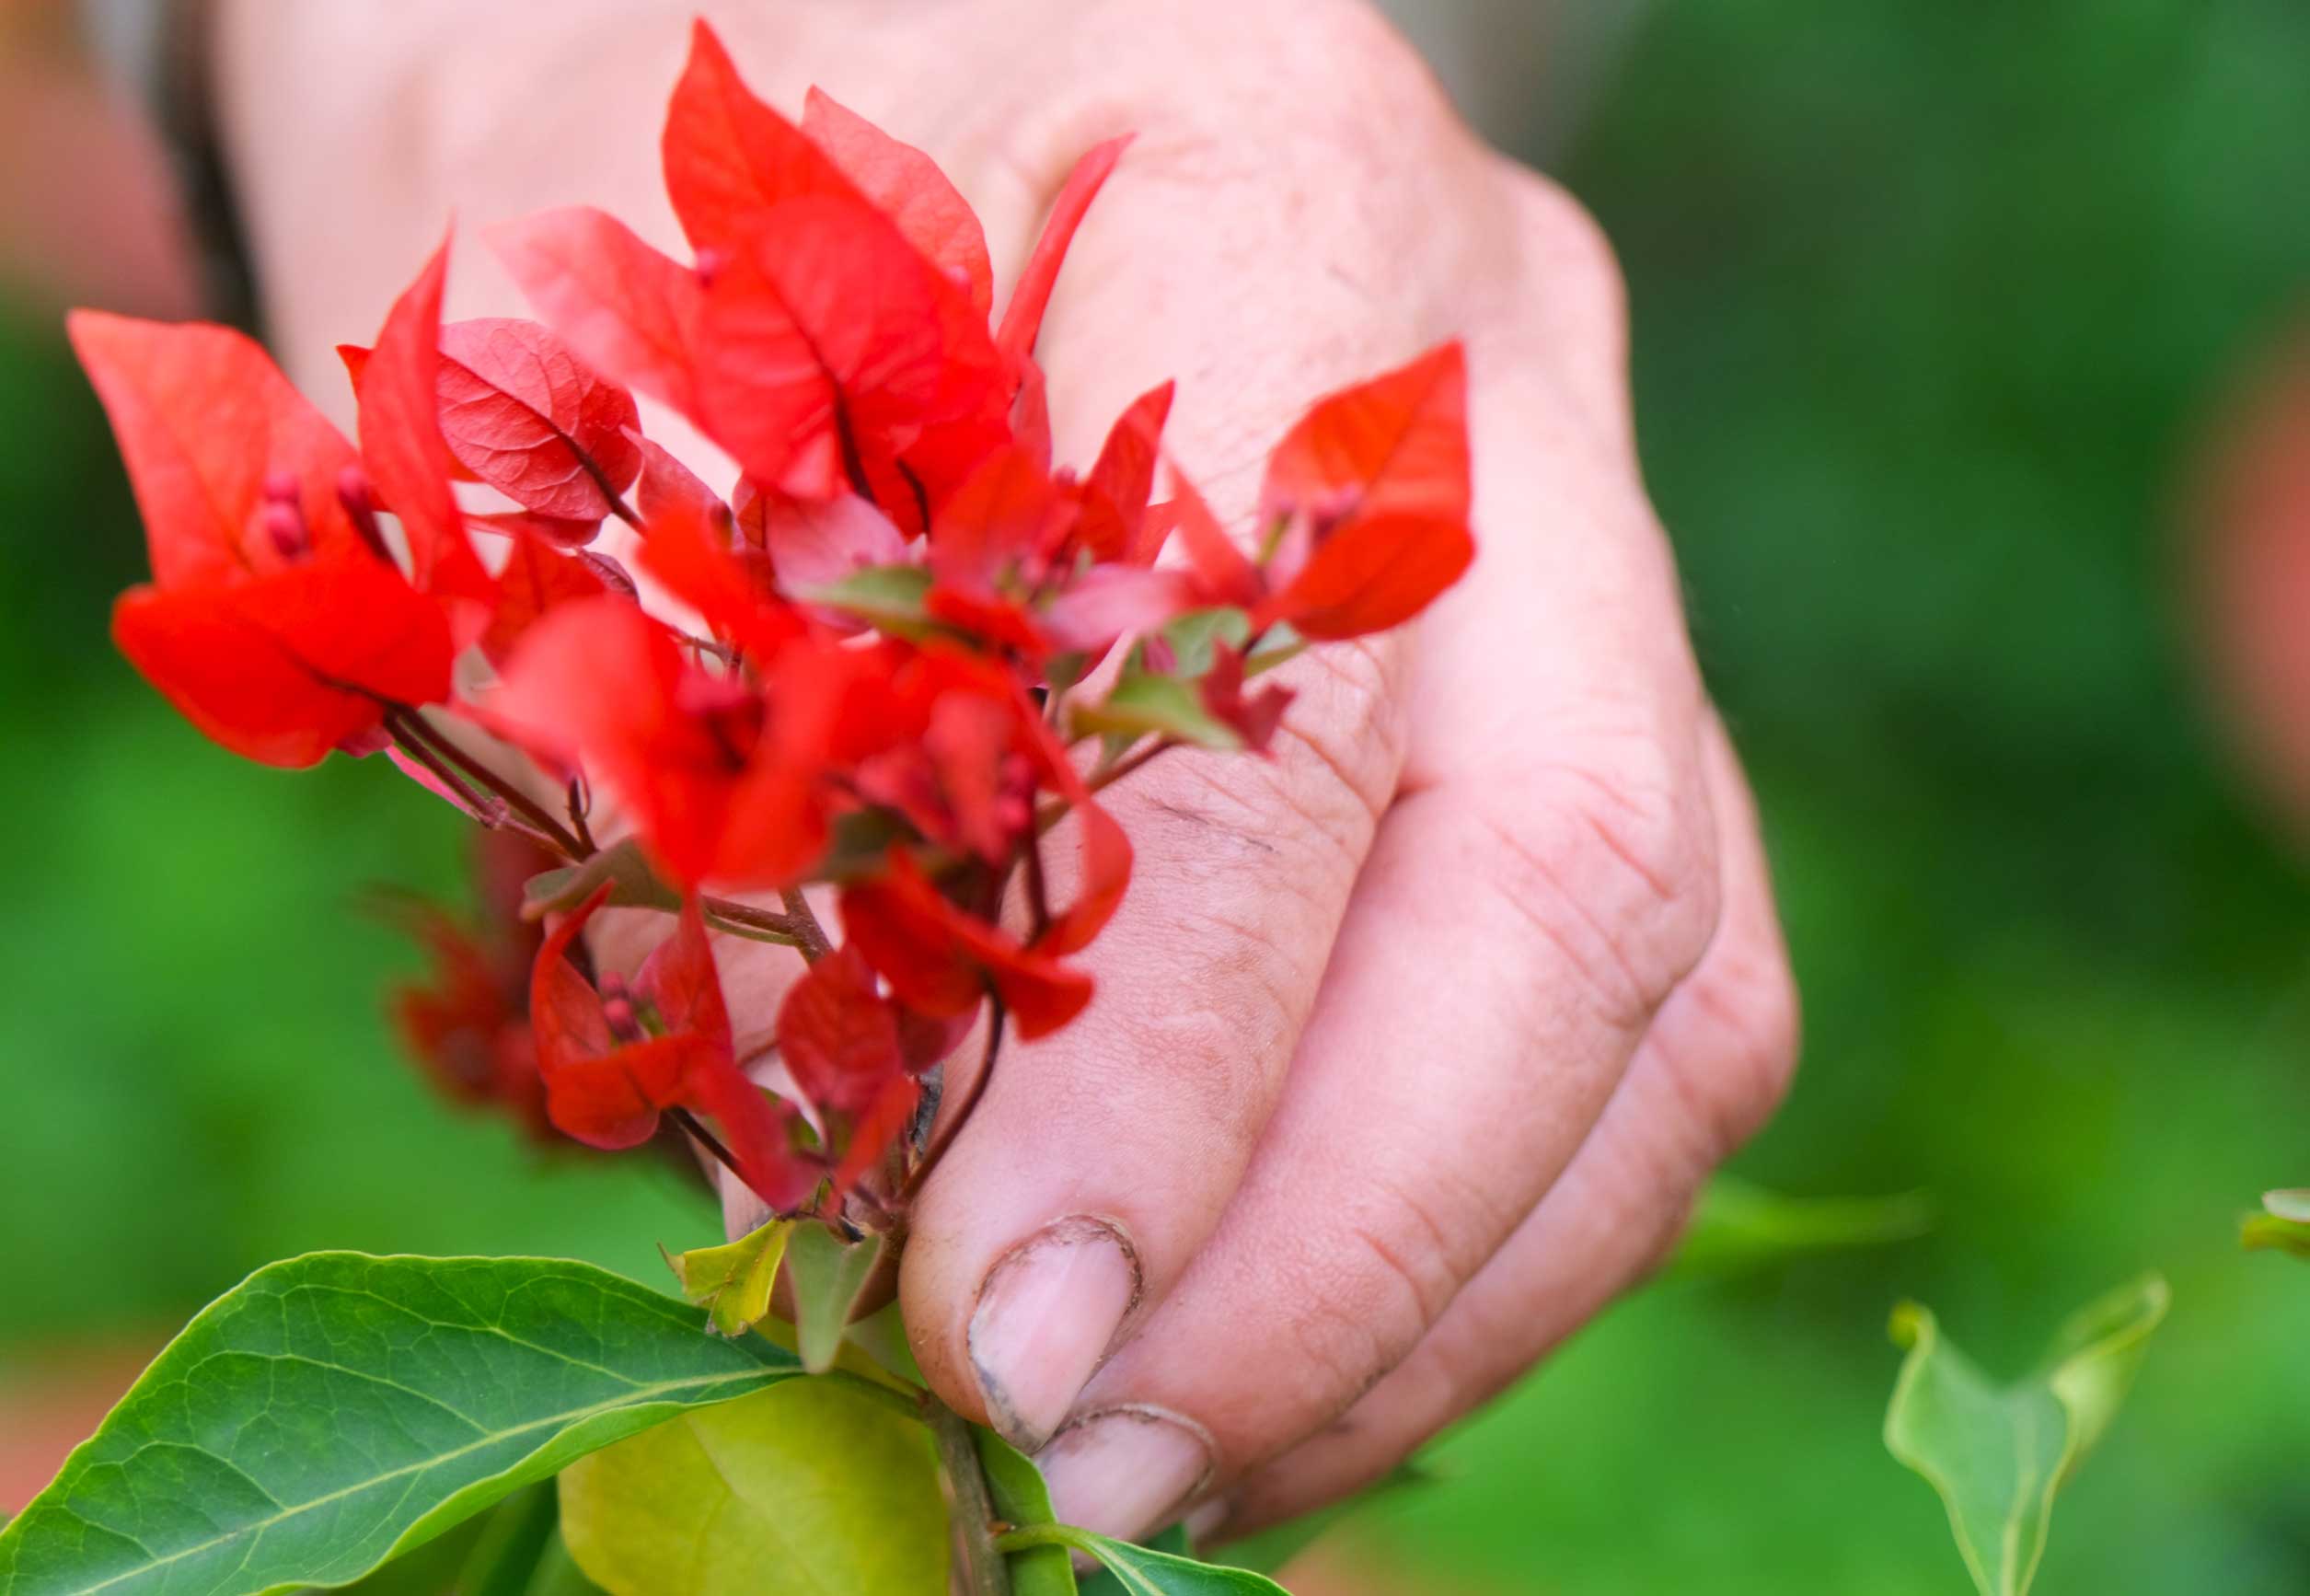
(1566, 247)
(1614, 863)
(1751, 998)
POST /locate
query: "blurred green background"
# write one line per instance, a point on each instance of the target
(1932, 305)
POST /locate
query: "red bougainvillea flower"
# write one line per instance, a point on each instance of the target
(944, 960)
(843, 1042)
(833, 335)
(275, 621)
(520, 411)
(468, 1022)
(1366, 505)
(722, 777)
(613, 1057)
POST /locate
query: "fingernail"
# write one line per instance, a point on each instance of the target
(1046, 1313)
(1124, 1471)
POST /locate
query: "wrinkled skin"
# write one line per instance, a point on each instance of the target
(1412, 1046)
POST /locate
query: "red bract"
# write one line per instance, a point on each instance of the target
(1371, 489)
(467, 1024)
(614, 1057)
(523, 414)
(943, 960)
(273, 623)
(629, 309)
(722, 778)
(408, 460)
(909, 189)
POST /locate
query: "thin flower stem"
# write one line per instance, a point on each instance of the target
(963, 1111)
(802, 925)
(1038, 889)
(474, 805)
(415, 726)
(753, 918)
(575, 794)
(705, 1139)
(985, 1571)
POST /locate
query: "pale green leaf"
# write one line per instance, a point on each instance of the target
(827, 1274)
(1998, 1454)
(888, 597)
(733, 1282)
(818, 1488)
(1016, 1488)
(1144, 702)
(1737, 1226)
(333, 1411)
(625, 869)
(1145, 1571)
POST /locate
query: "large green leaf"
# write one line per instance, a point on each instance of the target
(1015, 1486)
(1737, 1226)
(335, 1410)
(818, 1488)
(1143, 1570)
(1998, 1454)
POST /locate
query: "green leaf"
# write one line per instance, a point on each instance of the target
(733, 1282)
(1143, 1570)
(1736, 1227)
(827, 1274)
(1016, 1488)
(1998, 1454)
(818, 1488)
(1143, 703)
(1191, 636)
(633, 884)
(888, 597)
(336, 1410)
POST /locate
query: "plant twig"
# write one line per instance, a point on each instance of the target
(705, 1139)
(985, 1570)
(804, 927)
(413, 726)
(962, 1110)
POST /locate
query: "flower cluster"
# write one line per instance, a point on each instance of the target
(910, 651)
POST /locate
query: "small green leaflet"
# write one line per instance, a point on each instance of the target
(1998, 1454)
(827, 1275)
(817, 1487)
(889, 597)
(336, 1410)
(733, 1282)
(1143, 1570)
(1015, 1486)
(1738, 1226)
(624, 868)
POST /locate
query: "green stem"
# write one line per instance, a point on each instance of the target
(985, 1572)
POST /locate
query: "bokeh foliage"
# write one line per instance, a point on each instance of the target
(1930, 306)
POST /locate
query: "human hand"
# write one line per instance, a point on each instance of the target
(1411, 1044)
